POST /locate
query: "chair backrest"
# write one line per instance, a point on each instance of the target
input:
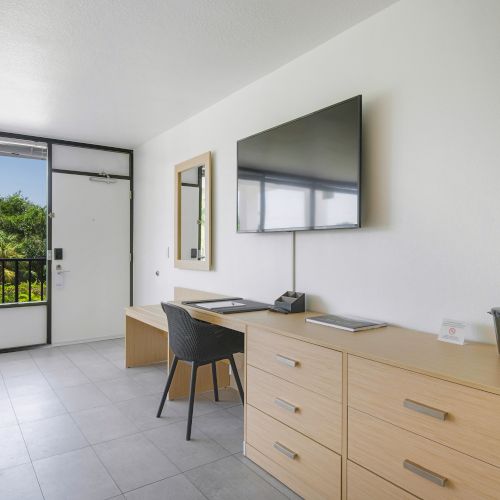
(183, 332)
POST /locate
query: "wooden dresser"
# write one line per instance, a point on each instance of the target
(383, 414)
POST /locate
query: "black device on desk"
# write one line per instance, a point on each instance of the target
(495, 312)
(227, 306)
(290, 302)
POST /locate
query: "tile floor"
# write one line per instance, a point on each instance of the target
(75, 424)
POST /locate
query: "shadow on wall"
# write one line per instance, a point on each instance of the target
(377, 161)
(316, 303)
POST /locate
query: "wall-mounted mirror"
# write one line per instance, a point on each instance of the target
(193, 213)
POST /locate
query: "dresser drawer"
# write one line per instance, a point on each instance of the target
(308, 468)
(310, 366)
(310, 413)
(364, 485)
(462, 418)
(422, 467)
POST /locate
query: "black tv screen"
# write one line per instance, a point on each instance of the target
(304, 174)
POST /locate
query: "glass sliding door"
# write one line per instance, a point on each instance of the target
(23, 242)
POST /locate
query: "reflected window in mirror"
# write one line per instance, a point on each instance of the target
(193, 213)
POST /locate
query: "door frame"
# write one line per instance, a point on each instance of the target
(60, 142)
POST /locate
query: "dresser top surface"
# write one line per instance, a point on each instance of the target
(473, 364)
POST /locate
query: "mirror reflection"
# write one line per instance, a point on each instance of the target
(193, 241)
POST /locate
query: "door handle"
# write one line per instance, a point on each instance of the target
(285, 451)
(286, 405)
(292, 363)
(433, 477)
(424, 409)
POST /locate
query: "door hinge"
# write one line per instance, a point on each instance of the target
(49, 254)
(130, 257)
(131, 195)
(51, 215)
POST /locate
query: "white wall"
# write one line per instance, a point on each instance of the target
(20, 326)
(429, 73)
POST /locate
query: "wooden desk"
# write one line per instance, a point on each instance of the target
(340, 415)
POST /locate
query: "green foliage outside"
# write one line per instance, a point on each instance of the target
(23, 230)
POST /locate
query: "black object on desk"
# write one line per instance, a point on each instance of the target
(495, 312)
(290, 302)
(227, 306)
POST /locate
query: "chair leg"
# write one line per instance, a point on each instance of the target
(167, 387)
(194, 369)
(237, 377)
(214, 378)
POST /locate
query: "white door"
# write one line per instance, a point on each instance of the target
(91, 283)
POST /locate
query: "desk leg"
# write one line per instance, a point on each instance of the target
(144, 344)
(180, 385)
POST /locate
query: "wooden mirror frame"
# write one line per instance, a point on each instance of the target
(203, 160)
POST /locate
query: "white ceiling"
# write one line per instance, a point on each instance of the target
(118, 72)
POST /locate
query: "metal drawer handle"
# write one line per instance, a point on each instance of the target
(286, 361)
(286, 405)
(286, 451)
(426, 410)
(425, 473)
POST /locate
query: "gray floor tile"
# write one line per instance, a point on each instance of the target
(171, 439)
(44, 404)
(222, 427)
(14, 356)
(174, 488)
(52, 436)
(82, 358)
(53, 363)
(107, 345)
(77, 475)
(82, 397)
(121, 389)
(228, 397)
(12, 448)
(229, 479)
(142, 412)
(103, 424)
(15, 368)
(7, 415)
(237, 411)
(270, 479)
(180, 407)
(101, 371)
(19, 483)
(71, 349)
(46, 352)
(162, 366)
(130, 372)
(26, 385)
(3, 390)
(151, 382)
(66, 377)
(133, 461)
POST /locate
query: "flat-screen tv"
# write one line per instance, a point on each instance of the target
(304, 174)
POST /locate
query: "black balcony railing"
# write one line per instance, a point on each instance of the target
(23, 280)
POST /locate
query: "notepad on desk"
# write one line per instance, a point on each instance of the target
(349, 323)
(220, 304)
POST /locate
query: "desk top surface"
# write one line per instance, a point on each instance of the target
(475, 365)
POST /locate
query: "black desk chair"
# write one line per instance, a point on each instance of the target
(199, 343)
